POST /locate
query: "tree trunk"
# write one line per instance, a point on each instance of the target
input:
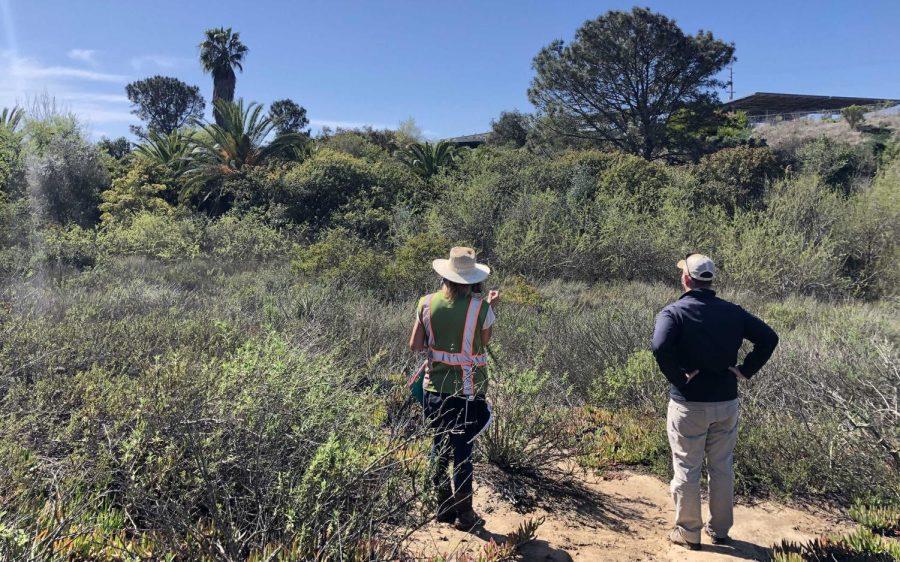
(648, 149)
(223, 89)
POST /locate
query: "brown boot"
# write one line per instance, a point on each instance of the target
(466, 518)
(446, 508)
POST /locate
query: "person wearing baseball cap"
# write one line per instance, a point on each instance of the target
(696, 342)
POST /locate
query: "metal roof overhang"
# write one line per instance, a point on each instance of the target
(762, 103)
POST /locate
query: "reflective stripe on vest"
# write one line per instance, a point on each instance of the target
(465, 358)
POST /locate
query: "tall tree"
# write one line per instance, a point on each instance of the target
(220, 53)
(164, 104)
(624, 76)
(117, 148)
(510, 129)
(287, 117)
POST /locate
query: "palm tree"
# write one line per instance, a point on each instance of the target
(220, 53)
(426, 159)
(170, 150)
(238, 143)
(11, 118)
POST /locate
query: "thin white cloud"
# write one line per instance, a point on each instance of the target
(89, 107)
(157, 61)
(29, 70)
(97, 98)
(83, 55)
(94, 114)
(91, 97)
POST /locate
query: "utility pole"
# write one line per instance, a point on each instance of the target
(730, 81)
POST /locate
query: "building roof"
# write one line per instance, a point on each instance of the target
(761, 103)
(477, 138)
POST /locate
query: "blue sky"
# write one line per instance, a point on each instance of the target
(452, 65)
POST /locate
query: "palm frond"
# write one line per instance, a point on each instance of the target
(222, 48)
(426, 159)
(241, 141)
(170, 150)
(11, 118)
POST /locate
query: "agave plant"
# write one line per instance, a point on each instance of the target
(426, 159)
(170, 150)
(11, 118)
(238, 143)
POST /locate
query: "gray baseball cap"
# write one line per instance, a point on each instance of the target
(698, 267)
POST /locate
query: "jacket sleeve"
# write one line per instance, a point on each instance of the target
(665, 338)
(764, 341)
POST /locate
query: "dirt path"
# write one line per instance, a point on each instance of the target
(622, 517)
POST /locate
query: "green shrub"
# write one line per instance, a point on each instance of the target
(840, 165)
(626, 437)
(636, 384)
(790, 247)
(829, 436)
(16, 235)
(341, 257)
(245, 238)
(638, 183)
(70, 246)
(855, 115)
(201, 452)
(314, 190)
(737, 178)
(869, 230)
(517, 290)
(163, 237)
(356, 145)
(12, 165)
(410, 272)
(469, 210)
(67, 176)
(787, 315)
(537, 237)
(141, 189)
(532, 430)
(576, 172)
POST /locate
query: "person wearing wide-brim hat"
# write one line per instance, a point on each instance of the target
(453, 327)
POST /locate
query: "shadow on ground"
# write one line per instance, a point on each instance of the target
(741, 550)
(563, 493)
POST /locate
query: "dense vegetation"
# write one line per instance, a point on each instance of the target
(202, 356)
(214, 365)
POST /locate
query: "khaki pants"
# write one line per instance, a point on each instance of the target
(697, 430)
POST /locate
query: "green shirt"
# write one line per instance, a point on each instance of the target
(448, 319)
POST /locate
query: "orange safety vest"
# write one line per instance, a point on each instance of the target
(465, 358)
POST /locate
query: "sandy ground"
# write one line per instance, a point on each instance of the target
(623, 516)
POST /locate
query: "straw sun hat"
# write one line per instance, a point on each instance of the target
(461, 267)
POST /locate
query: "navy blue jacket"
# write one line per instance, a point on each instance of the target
(702, 331)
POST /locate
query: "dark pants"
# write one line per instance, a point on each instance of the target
(455, 422)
